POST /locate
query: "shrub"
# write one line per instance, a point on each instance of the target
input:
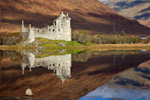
(11, 40)
(75, 36)
(83, 32)
(83, 38)
(96, 40)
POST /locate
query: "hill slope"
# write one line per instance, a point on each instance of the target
(90, 15)
(134, 9)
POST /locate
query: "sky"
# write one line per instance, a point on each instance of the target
(102, 0)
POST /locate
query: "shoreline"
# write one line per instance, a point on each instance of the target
(93, 47)
(98, 47)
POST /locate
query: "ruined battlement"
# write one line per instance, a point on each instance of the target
(60, 30)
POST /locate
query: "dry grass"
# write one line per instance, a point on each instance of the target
(14, 47)
(101, 47)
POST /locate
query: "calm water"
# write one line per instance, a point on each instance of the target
(84, 76)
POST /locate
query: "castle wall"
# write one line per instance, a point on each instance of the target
(60, 30)
(53, 33)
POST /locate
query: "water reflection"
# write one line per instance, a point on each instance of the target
(86, 72)
(0, 74)
(133, 83)
(60, 64)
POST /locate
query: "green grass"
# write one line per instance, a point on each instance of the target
(48, 52)
(54, 43)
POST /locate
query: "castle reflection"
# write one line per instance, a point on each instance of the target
(60, 64)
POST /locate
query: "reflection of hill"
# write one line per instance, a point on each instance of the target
(86, 77)
(133, 78)
(137, 78)
(133, 83)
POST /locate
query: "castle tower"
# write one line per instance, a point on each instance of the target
(31, 35)
(23, 65)
(22, 24)
(63, 27)
(22, 28)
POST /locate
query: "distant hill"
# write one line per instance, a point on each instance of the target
(133, 9)
(90, 15)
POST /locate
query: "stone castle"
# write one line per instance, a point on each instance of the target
(60, 64)
(60, 30)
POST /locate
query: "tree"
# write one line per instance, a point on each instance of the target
(83, 38)
(83, 32)
(123, 33)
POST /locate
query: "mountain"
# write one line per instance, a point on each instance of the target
(90, 15)
(133, 9)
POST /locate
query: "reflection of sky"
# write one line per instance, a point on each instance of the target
(104, 92)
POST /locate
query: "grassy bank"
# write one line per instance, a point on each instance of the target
(49, 45)
(92, 47)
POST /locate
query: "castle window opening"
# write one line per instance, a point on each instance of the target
(49, 29)
(59, 30)
(53, 64)
(49, 64)
(53, 30)
(55, 23)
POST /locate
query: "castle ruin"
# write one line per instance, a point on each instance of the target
(60, 64)
(60, 30)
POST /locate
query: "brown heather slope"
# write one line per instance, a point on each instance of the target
(133, 9)
(90, 15)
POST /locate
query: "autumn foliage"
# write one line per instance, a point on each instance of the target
(102, 39)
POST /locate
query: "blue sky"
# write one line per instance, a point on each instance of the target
(102, 0)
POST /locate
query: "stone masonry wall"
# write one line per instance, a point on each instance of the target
(60, 30)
